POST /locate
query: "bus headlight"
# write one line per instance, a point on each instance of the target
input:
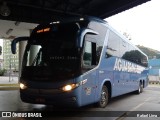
(69, 87)
(22, 86)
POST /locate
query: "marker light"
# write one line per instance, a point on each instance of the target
(43, 30)
(22, 86)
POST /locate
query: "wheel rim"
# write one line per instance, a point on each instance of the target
(103, 98)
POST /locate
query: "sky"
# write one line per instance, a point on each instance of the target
(142, 23)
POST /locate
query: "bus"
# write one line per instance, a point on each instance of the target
(79, 61)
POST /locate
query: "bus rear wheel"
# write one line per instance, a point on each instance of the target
(140, 88)
(104, 97)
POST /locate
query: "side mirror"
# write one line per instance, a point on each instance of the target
(82, 33)
(14, 42)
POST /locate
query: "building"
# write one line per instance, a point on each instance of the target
(1, 55)
(10, 61)
(154, 71)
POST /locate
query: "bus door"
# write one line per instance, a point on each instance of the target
(89, 88)
(89, 65)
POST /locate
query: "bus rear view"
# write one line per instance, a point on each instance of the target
(68, 63)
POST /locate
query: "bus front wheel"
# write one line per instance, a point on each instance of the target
(104, 97)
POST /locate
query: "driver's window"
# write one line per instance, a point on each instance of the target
(91, 52)
(87, 56)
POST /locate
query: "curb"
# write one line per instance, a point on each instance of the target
(13, 84)
(9, 86)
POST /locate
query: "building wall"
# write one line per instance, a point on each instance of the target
(10, 61)
(155, 63)
(1, 56)
(154, 71)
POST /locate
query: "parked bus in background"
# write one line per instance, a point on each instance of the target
(79, 61)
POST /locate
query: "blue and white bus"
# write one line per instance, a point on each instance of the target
(79, 61)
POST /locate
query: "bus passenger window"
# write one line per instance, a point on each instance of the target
(113, 45)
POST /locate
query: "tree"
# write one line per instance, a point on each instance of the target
(127, 35)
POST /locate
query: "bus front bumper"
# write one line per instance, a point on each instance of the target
(50, 97)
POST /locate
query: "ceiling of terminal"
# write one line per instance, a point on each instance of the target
(10, 29)
(39, 11)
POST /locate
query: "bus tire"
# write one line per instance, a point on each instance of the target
(104, 97)
(140, 88)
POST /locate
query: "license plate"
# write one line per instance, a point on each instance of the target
(40, 100)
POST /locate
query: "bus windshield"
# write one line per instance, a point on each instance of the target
(55, 51)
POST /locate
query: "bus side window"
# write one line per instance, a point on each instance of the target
(113, 45)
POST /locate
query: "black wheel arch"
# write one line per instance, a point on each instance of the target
(108, 85)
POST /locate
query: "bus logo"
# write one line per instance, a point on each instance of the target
(126, 66)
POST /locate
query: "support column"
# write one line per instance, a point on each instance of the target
(32, 53)
(22, 46)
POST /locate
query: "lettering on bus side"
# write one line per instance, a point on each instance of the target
(126, 66)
